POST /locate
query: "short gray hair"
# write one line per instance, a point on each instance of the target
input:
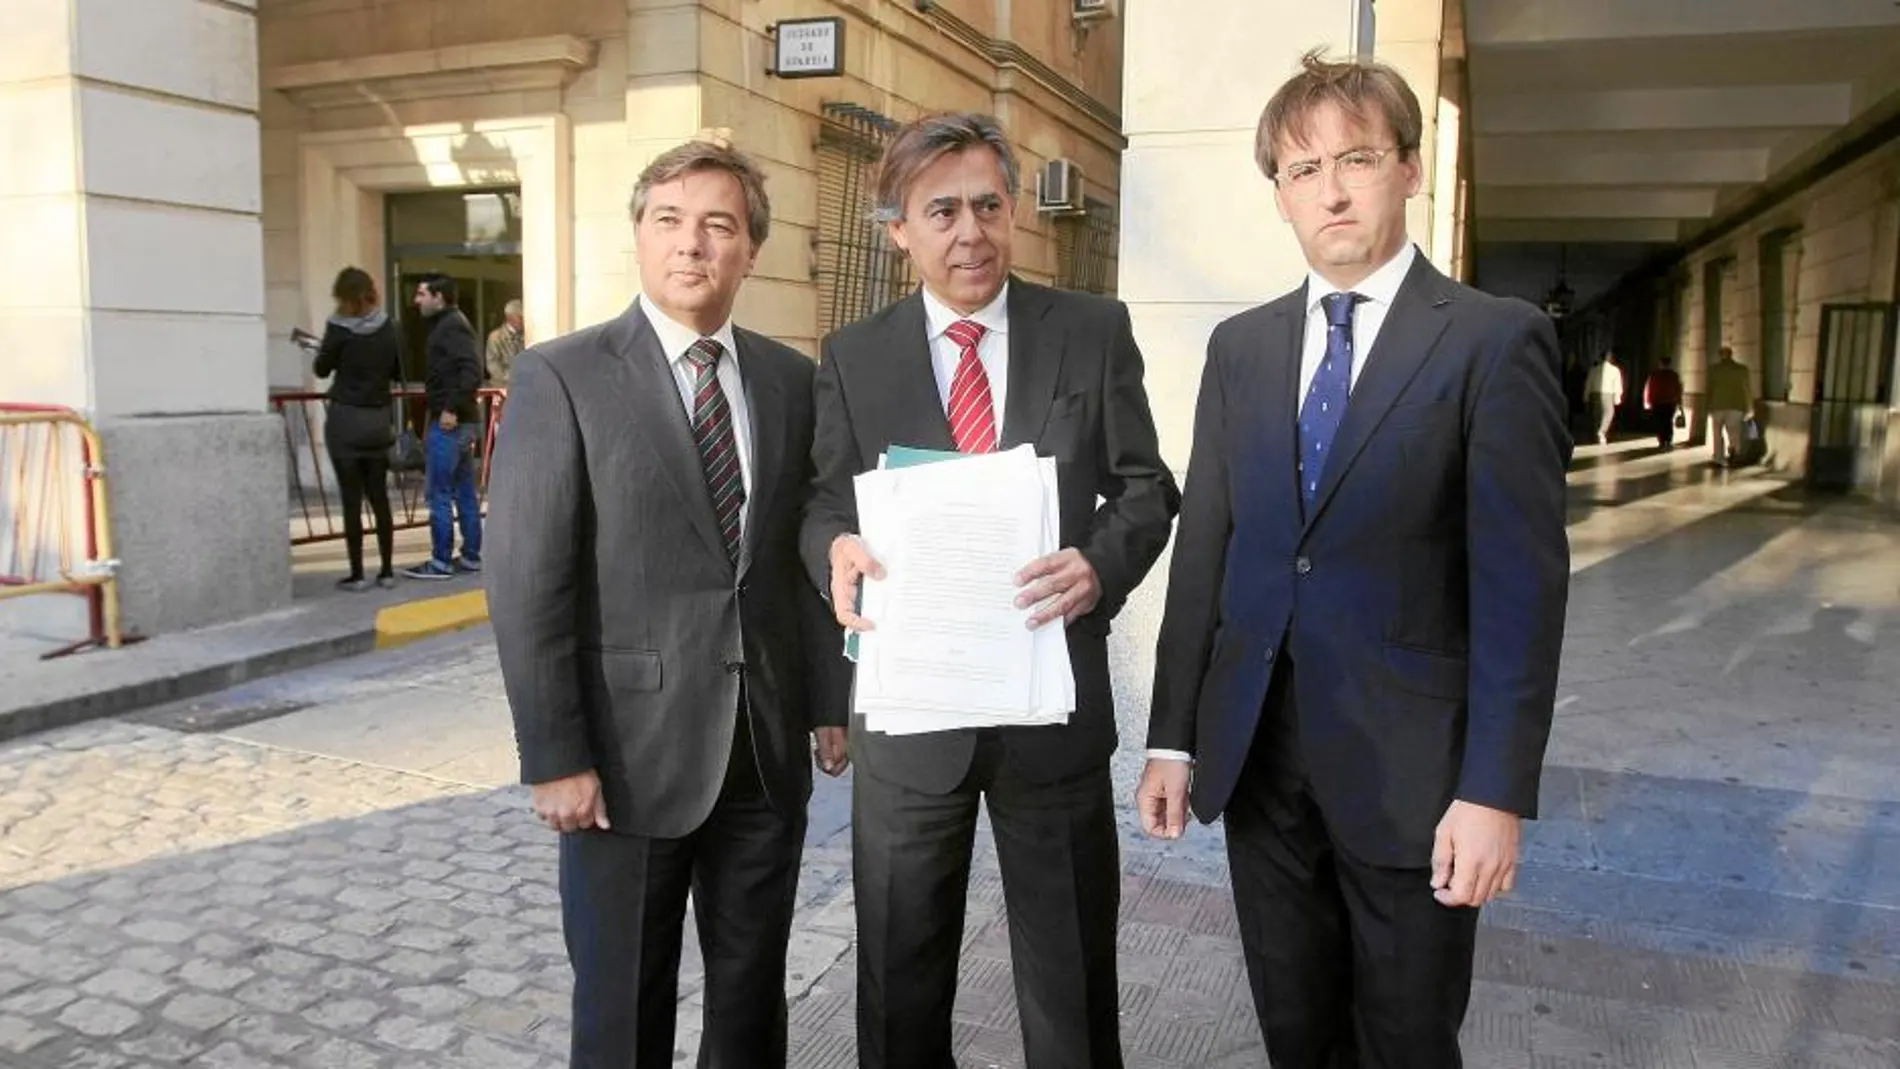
(512, 308)
(924, 141)
(694, 156)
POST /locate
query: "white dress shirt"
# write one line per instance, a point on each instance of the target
(1605, 378)
(675, 339)
(992, 351)
(1368, 316)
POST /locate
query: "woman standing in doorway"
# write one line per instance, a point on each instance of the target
(360, 346)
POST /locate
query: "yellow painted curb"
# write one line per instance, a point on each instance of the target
(400, 625)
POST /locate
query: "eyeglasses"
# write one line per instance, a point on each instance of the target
(1354, 169)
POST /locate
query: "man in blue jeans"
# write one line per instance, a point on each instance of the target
(453, 374)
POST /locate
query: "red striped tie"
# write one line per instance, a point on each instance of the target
(718, 444)
(972, 409)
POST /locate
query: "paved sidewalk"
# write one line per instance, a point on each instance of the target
(321, 624)
(329, 868)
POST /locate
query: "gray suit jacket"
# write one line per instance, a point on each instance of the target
(1075, 394)
(624, 631)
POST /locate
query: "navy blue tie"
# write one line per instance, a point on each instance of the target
(1326, 398)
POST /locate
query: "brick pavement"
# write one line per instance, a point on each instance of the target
(176, 899)
(1715, 883)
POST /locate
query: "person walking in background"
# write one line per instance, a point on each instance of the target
(1662, 396)
(362, 349)
(1731, 401)
(504, 344)
(453, 374)
(1604, 391)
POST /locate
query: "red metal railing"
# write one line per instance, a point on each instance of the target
(316, 515)
(61, 448)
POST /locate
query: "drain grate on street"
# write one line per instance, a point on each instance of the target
(211, 715)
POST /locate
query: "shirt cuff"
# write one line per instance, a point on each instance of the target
(1169, 755)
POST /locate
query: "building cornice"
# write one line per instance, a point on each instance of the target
(1010, 57)
(460, 70)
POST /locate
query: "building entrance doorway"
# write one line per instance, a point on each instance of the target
(471, 235)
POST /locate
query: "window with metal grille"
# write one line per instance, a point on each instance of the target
(1852, 392)
(859, 270)
(1085, 249)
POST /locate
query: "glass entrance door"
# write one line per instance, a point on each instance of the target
(470, 235)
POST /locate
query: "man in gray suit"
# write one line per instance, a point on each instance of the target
(660, 644)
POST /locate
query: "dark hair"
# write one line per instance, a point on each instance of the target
(922, 142)
(1664, 361)
(709, 156)
(354, 291)
(442, 286)
(1359, 87)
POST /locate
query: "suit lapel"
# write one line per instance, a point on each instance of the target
(650, 392)
(1035, 365)
(1405, 342)
(904, 375)
(765, 403)
(1281, 379)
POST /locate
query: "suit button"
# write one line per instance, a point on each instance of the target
(1303, 566)
(1269, 654)
(743, 588)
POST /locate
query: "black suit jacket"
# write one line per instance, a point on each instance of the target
(624, 630)
(1075, 393)
(1421, 600)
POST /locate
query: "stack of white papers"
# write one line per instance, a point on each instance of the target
(951, 649)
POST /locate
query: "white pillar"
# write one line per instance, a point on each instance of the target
(1201, 238)
(132, 284)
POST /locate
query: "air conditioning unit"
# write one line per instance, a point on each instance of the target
(1059, 188)
(1090, 10)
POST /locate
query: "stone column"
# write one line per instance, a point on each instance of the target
(1201, 237)
(132, 285)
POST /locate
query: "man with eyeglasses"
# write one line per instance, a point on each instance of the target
(1358, 660)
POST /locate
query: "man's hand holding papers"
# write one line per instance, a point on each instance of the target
(1065, 581)
(942, 642)
(850, 564)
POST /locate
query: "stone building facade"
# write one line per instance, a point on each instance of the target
(185, 177)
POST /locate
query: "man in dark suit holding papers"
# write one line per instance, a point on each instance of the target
(979, 361)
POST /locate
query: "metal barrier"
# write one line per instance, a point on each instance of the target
(37, 440)
(316, 516)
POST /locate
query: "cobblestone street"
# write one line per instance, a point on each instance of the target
(330, 869)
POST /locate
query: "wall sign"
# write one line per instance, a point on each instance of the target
(809, 48)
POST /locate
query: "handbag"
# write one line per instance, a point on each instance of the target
(1682, 420)
(406, 454)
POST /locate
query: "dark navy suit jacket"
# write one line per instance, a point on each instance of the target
(1421, 598)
